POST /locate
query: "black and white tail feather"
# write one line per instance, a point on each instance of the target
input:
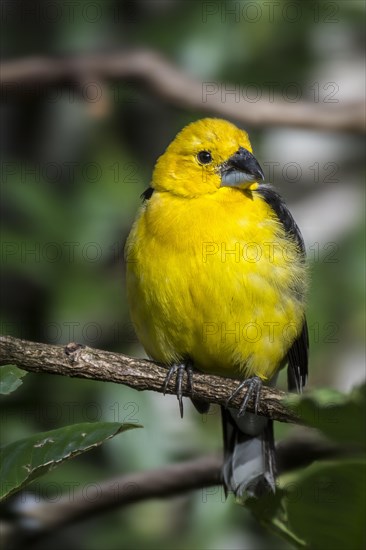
(249, 453)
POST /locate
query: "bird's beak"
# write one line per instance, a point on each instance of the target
(241, 170)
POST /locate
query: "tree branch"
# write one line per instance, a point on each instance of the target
(178, 88)
(83, 362)
(128, 489)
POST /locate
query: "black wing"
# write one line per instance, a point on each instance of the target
(297, 356)
(146, 195)
(278, 205)
(297, 370)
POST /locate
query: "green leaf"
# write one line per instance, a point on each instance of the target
(321, 506)
(269, 510)
(10, 378)
(326, 505)
(340, 417)
(26, 459)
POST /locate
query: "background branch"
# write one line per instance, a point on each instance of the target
(35, 520)
(84, 362)
(178, 88)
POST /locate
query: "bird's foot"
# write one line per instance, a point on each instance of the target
(179, 369)
(254, 387)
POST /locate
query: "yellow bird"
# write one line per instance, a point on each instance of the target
(216, 280)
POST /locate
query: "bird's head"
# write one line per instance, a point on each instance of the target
(206, 156)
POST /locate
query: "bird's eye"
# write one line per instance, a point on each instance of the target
(204, 157)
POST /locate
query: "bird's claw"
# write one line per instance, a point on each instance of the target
(179, 369)
(254, 387)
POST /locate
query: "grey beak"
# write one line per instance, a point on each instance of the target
(240, 169)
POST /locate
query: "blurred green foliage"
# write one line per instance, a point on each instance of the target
(24, 460)
(71, 181)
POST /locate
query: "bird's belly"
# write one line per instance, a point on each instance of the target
(228, 305)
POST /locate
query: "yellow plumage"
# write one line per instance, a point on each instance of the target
(212, 274)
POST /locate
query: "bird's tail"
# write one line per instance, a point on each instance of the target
(249, 467)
